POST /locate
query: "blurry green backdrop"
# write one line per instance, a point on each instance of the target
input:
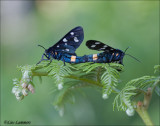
(25, 24)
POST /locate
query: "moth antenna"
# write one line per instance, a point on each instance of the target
(127, 48)
(133, 57)
(41, 46)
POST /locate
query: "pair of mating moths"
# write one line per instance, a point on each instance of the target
(65, 49)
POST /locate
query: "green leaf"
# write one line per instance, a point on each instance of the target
(123, 99)
(109, 79)
(133, 88)
(156, 68)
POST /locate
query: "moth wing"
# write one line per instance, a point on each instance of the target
(99, 46)
(66, 49)
(72, 39)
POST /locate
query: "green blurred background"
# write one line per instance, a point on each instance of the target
(25, 24)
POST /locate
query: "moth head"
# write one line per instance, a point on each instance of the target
(118, 55)
(44, 54)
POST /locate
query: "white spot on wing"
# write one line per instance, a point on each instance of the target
(97, 42)
(57, 45)
(112, 49)
(102, 48)
(65, 40)
(105, 46)
(93, 46)
(72, 33)
(65, 43)
(67, 49)
(76, 39)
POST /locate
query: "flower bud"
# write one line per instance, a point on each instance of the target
(31, 88)
(32, 91)
(60, 86)
(18, 93)
(61, 111)
(105, 96)
(27, 75)
(25, 92)
(14, 89)
(130, 111)
(24, 85)
(19, 98)
(15, 81)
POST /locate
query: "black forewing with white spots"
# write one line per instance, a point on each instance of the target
(70, 42)
(97, 45)
(66, 49)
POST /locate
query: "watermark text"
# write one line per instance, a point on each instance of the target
(16, 122)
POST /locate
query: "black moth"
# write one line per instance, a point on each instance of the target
(65, 46)
(109, 54)
(65, 49)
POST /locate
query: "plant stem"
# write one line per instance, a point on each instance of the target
(39, 73)
(98, 74)
(144, 116)
(84, 80)
(143, 106)
(90, 82)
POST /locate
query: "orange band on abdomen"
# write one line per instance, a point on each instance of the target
(73, 58)
(95, 57)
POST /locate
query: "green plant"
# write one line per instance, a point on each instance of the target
(72, 77)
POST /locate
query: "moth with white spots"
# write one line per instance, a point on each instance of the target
(67, 45)
(109, 54)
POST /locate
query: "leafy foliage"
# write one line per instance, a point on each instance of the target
(109, 79)
(95, 75)
(70, 78)
(123, 99)
(127, 95)
(156, 68)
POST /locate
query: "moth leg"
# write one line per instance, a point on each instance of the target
(111, 58)
(120, 62)
(64, 61)
(49, 62)
(42, 59)
(46, 56)
(39, 62)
